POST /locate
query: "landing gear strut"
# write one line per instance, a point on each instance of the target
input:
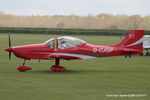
(56, 67)
(23, 68)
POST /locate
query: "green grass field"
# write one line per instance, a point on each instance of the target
(95, 79)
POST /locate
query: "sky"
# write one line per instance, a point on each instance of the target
(77, 7)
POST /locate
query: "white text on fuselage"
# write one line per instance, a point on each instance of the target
(103, 50)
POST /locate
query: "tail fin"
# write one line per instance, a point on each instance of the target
(134, 37)
(133, 41)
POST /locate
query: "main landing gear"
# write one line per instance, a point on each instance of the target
(127, 56)
(147, 53)
(23, 68)
(56, 67)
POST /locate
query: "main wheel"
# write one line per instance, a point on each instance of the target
(129, 56)
(147, 54)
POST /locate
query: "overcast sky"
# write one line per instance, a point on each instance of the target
(78, 7)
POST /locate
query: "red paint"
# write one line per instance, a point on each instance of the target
(56, 68)
(23, 68)
(8, 49)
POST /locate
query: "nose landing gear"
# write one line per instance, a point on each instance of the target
(23, 68)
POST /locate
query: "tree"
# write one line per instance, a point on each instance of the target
(1, 13)
(60, 25)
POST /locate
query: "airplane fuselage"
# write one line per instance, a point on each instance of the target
(83, 51)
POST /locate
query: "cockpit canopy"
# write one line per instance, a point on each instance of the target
(65, 42)
(68, 42)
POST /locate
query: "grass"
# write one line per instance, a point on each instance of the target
(85, 79)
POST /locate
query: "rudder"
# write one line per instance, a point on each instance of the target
(134, 37)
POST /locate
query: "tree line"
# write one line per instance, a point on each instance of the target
(101, 21)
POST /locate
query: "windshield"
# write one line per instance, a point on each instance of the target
(68, 42)
(50, 43)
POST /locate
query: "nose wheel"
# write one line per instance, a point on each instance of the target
(23, 68)
(56, 67)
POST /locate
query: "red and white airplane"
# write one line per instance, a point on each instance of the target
(69, 48)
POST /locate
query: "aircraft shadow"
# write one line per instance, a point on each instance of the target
(85, 71)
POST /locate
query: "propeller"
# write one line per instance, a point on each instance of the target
(9, 47)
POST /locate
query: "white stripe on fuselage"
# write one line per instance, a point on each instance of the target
(135, 43)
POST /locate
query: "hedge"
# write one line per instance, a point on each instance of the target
(57, 31)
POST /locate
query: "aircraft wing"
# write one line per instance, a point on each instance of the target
(68, 56)
(62, 56)
(146, 45)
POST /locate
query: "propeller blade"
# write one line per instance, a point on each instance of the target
(9, 41)
(9, 47)
(9, 55)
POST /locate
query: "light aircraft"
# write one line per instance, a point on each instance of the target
(146, 44)
(69, 48)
